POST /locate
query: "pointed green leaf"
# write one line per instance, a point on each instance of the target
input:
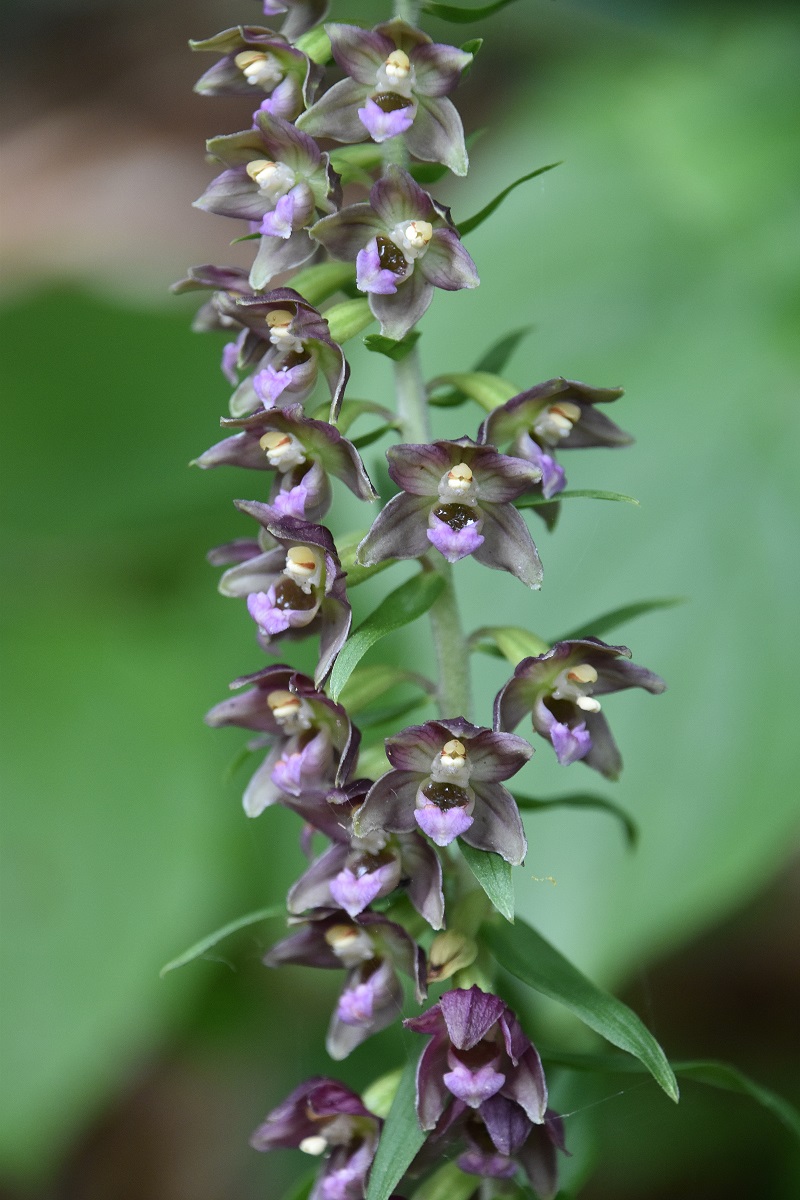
(301, 1190)
(322, 281)
(351, 410)
(348, 318)
(462, 16)
(471, 223)
(392, 715)
(493, 873)
(448, 1183)
(709, 1071)
(529, 956)
(368, 684)
(619, 616)
(585, 800)
(486, 388)
(392, 349)
(400, 1140)
(400, 607)
(535, 501)
(199, 948)
(508, 641)
(374, 435)
(496, 357)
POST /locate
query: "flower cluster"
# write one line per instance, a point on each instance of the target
(394, 870)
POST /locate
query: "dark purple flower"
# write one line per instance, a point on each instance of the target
(404, 245)
(300, 451)
(446, 782)
(398, 83)
(479, 1058)
(355, 870)
(559, 414)
(322, 1116)
(295, 588)
(256, 61)
(560, 689)
(372, 949)
(457, 496)
(313, 744)
(278, 178)
(524, 1144)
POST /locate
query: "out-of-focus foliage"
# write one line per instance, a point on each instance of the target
(662, 255)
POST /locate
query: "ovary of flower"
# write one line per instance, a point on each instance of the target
(279, 322)
(351, 946)
(260, 70)
(304, 567)
(452, 765)
(571, 684)
(315, 1145)
(292, 714)
(283, 450)
(556, 422)
(273, 179)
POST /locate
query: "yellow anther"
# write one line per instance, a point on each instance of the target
(279, 318)
(274, 440)
(398, 64)
(566, 410)
(419, 233)
(340, 935)
(257, 168)
(454, 749)
(249, 58)
(315, 1145)
(583, 673)
(302, 559)
(280, 699)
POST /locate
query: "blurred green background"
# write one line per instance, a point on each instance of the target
(663, 256)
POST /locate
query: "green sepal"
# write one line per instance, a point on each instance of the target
(534, 501)
(531, 958)
(400, 607)
(508, 641)
(473, 222)
(401, 1139)
(484, 387)
(320, 282)
(462, 16)
(380, 1094)
(493, 873)
(619, 616)
(346, 546)
(211, 939)
(347, 319)
(428, 173)
(585, 800)
(317, 45)
(388, 346)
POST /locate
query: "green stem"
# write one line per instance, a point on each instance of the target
(412, 399)
(408, 10)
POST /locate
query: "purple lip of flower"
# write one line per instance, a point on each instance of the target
(457, 496)
(306, 766)
(560, 689)
(355, 890)
(457, 768)
(473, 1086)
(322, 1109)
(398, 81)
(356, 1004)
(404, 245)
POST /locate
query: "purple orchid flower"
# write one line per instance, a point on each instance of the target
(446, 782)
(479, 1058)
(559, 414)
(300, 451)
(278, 178)
(398, 83)
(313, 743)
(372, 949)
(559, 690)
(533, 1147)
(322, 1116)
(355, 870)
(457, 496)
(296, 587)
(299, 15)
(404, 245)
(256, 61)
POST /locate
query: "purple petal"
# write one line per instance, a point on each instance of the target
(399, 531)
(442, 825)
(278, 223)
(469, 1014)
(437, 134)
(415, 748)
(370, 275)
(233, 194)
(397, 197)
(424, 871)
(271, 619)
(497, 756)
(292, 502)
(508, 546)
(359, 52)
(261, 792)
(432, 1095)
(382, 125)
(438, 68)
(454, 544)
(230, 357)
(570, 744)
(497, 826)
(604, 756)
(335, 114)
(389, 805)
(506, 1123)
(276, 256)
(473, 1087)
(419, 468)
(553, 477)
(488, 1166)
(353, 892)
(345, 233)
(447, 264)
(397, 314)
(337, 617)
(526, 1085)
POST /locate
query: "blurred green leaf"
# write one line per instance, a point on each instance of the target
(600, 626)
(400, 607)
(496, 357)
(351, 410)
(585, 800)
(211, 939)
(529, 956)
(400, 1140)
(486, 388)
(316, 44)
(534, 501)
(394, 350)
(493, 873)
(348, 318)
(511, 642)
(374, 435)
(448, 1183)
(346, 547)
(320, 282)
(367, 684)
(462, 16)
(466, 227)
